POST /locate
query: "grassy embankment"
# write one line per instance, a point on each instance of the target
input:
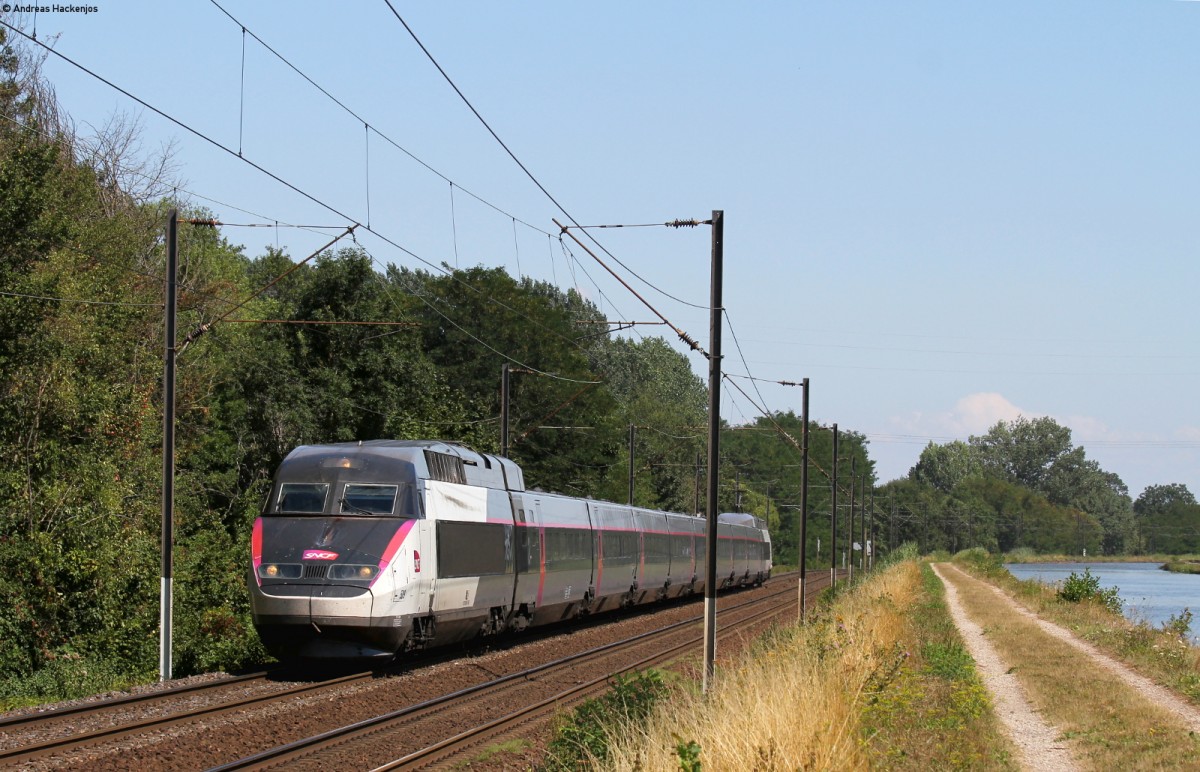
(1182, 566)
(878, 677)
(1107, 723)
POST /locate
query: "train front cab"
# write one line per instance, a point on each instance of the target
(323, 576)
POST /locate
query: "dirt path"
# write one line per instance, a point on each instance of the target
(1037, 742)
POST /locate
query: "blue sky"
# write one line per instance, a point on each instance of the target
(944, 214)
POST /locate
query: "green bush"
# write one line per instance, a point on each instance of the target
(1021, 555)
(1179, 625)
(982, 560)
(1078, 588)
(906, 551)
(66, 677)
(583, 738)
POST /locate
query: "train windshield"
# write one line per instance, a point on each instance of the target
(304, 498)
(351, 499)
(358, 499)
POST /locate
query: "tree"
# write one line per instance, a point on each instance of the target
(1160, 498)
(945, 466)
(1024, 450)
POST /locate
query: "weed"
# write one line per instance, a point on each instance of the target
(949, 660)
(688, 754)
(66, 676)
(1179, 625)
(492, 752)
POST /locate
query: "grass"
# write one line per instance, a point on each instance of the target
(1162, 654)
(876, 678)
(494, 753)
(1182, 566)
(1108, 724)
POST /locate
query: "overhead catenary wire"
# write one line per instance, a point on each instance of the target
(683, 336)
(781, 431)
(364, 121)
(677, 223)
(276, 223)
(81, 301)
(737, 344)
(278, 178)
(518, 162)
(263, 170)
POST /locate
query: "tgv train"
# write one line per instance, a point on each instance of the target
(373, 548)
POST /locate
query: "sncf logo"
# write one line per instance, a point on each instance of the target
(319, 555)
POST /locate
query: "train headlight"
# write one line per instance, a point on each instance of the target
(344, 571)
(280, 571)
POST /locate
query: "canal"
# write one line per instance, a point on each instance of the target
(1149, 593)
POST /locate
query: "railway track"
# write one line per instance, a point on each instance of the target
(539, 691)
(36, 736)
(195, 726)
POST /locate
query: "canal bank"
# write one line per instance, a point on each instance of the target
(1148, 594)
(1101, 713)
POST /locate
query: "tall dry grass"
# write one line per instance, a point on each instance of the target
(794, 702)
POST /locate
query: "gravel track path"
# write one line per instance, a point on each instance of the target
(1038, 743)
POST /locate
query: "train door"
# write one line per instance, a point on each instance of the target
(419, 563)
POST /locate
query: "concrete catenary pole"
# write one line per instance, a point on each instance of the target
(714, 429)
(803, 492)
(632, 444)
(505, 386)
(850, 531)
(166, 589)
(833, 550)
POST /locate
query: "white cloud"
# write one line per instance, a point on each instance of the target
(976, 413)
(972, 414)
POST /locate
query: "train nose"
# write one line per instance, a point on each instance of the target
(314, 621)
(304, 604)
(339, 604)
